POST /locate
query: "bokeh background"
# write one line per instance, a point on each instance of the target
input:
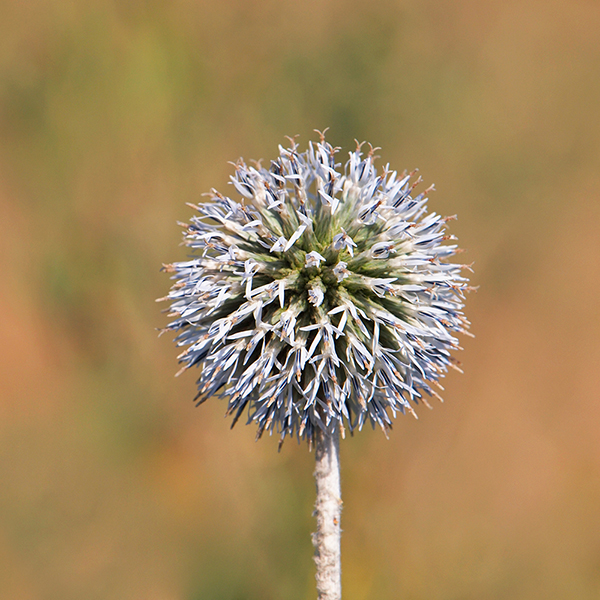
(113, 115)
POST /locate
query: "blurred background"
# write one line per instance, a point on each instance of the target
(115, 114)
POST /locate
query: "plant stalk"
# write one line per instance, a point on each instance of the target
(328, 509)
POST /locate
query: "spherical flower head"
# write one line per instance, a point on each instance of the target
(320, 297)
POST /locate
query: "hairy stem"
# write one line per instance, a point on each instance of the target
(328, 508)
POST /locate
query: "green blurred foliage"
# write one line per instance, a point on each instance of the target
(113, 115)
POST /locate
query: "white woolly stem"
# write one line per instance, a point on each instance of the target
(328, 509)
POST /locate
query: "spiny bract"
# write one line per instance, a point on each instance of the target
(321, 297)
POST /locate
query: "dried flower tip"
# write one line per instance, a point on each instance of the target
(313, 259)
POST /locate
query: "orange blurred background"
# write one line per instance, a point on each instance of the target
(113, 115)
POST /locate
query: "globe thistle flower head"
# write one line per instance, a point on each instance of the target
(320, 297)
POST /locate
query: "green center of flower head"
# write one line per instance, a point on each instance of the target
(321, 297)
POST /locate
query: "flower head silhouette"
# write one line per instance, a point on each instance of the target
(321, 297)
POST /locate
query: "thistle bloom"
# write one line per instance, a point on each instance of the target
(321, 297)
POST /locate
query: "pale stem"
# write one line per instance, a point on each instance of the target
(328, 509)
